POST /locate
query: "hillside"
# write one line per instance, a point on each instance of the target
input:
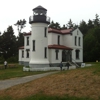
(82, 82)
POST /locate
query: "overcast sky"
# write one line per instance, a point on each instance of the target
(58, 10)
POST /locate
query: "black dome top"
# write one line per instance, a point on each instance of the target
(40, 7)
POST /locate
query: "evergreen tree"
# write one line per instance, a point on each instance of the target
(83, 27)
(8, 45)
(70, 24)
(64, 27)
(20, 25)
(90, 24)
(96, 21)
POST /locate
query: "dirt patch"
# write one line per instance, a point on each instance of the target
(79, 83)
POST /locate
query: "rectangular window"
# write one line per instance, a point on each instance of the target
(27, 40)
(22, 54)
(45, 32)
(79, 41)
(27, 53)
(56, 54)
(33, 45)
(58, 40)
(77, 54)
(75, 40)
(45, 52)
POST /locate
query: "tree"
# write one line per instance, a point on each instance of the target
(64, 27)
(90, 24)
(96, 21)
(20, 25)
(83, 27)
(70, 24)
(88, 45)
(8, 45)
(54, 25)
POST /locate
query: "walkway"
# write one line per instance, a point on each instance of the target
(4, 84)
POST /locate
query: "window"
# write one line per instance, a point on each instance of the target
(77, 32)
(58, 40)
(45, 52)
(56, 54)
(77, 54)
(33, 45)
(27, 40)
(27, 53)
(75, 40)
(45, 32)
(79, 41)
(22, 53)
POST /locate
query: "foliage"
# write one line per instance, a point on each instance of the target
(13, 59)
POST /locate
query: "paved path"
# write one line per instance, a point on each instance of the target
(4, 84)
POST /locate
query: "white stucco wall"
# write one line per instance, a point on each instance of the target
(53, 38)
(67, 40)
(77, 47)
(37, 56)
(20, 55)
(27, 47)
(52, 56)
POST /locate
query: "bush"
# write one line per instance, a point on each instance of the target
(1, 60)
(13, 59)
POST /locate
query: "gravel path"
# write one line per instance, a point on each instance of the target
(4, 84)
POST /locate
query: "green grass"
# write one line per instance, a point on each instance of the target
(45, 97)
(16, 72)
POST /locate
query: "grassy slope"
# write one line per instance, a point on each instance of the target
(75, 84)
(15, 72)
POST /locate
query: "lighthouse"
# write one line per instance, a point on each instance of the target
(39, 38)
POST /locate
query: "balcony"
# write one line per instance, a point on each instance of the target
(39, 18)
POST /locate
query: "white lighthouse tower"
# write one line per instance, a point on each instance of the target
(39, 38)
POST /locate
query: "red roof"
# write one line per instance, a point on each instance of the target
(64, 31)
(54, 46)
(21, 47)
(58, 31)
(25, 34)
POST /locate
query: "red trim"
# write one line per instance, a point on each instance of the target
(21, 47)
(25, 34)
(54, 46)
(58, 31)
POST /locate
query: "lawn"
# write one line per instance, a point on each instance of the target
(77, 84)
(15, 72)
